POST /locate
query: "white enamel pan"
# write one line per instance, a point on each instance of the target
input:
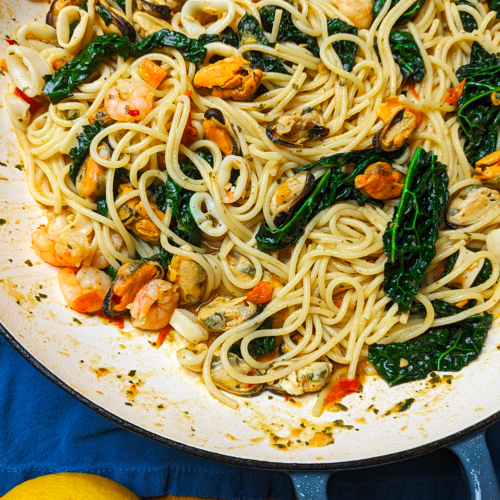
(84, 356)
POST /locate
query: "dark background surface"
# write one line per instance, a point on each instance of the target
(44, 430)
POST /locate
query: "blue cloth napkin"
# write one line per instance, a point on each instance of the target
(44, 430)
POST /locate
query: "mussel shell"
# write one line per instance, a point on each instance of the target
(124, 273)
(487, 199)
(214, 116)
(157, 10)
(321, 371)
(318, 132)
(377, 138)
(284, 217)
(51, 18)
(277, 140)
(119, 21)
(224, 313)
(102, 117)
(215, 113)
(224, 381)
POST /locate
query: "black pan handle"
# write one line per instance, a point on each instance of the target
(476, 462)
(310, 485)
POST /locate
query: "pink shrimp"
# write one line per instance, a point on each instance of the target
(128, 101)
(84, 291)
(359, 12)
(65, 249)
(154, 305)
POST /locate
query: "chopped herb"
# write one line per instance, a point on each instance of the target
(128, 404)
(131, 373)
(2, 222)
(77, 321)
(19, 167)
(28, 263)
(160, 406)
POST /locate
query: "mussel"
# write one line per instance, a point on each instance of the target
(380, 181)
(224, 313)
(157, 8)
(231, 78)
(311, 378)
(296, 127)
(224, 381)
(471, 203)
(399, 125)
(241, 267)
(111, 20)
(288, 194)
(131, 277)
(283, 347)
(91, 179)
(189, 276)
(488, 170)
(101, 116)
(135, 218)
(219, 130)
(148, 24)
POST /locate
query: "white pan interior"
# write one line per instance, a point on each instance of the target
(262, 429)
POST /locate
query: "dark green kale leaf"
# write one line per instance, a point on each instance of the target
(378, 5)
(190, 169)
(250, 32)
(111, 272)
(442, 309)
(61, 84)
(484, 274)
(287, 30)
(287, 235)
(183, 223)
(479, 119)
(334, 186)
(494, 5)
(102, 206)
(122, 4)
(345, 50)
(230, 37)
(260, 346)
(105, 14)
(410, 238)
(452, 260)
(79, 153)
(162, 257)
(447, 348)
(406, 53)
(468, 21)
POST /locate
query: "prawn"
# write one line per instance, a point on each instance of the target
(154, 305)
(359, 12)
(84, 291)
(65, 249)
(128, 101)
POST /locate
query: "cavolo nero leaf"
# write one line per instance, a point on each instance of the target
(406, 53)
(345, 50)
(479, 119)
(287, 30)
(162, 257)
(442, 309)
(447, 348)
(412, 11)
(410, 238)
(333, 186)
(102, 206)
(79, 153)
(468, 21)
(61, 84)
(250, 32)
(230, 37)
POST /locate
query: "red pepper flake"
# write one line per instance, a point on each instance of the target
(287, 398)
(338, 301)
(341, 388)
(189, 92)
(134, 112)
(453, 95)
(162, 335)
(414, 92)
(190, 134)
(10, 42)
(118, 322)
(250, 386)
(34, 106)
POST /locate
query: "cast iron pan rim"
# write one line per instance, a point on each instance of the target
(244, 462)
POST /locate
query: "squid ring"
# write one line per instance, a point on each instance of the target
(224, 176)
(214, 7)
(208, 221)
(65, 19)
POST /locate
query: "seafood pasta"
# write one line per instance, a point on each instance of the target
(303, 190)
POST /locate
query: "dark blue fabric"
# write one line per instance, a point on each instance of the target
(44, 430)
